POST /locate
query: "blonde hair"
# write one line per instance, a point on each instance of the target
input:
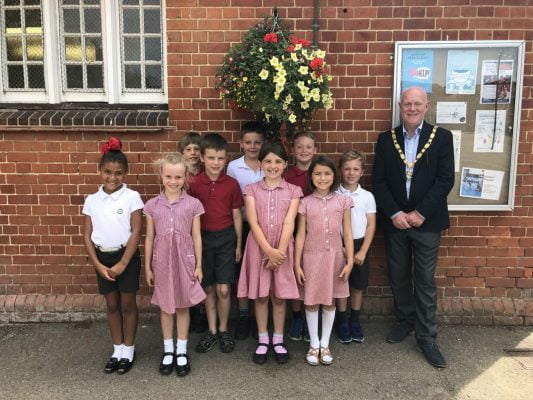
(173, 159)
(351, 155)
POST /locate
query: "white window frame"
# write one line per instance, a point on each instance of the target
(54, 94)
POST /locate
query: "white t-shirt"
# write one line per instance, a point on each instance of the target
(364, 204)
(245, 175)
(111, 215)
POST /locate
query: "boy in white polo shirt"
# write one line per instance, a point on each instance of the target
(246, 170)
(351, 165)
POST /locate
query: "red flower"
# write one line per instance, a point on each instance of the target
(270, 37)
(316, 63)
(296, 40)
(290, 49)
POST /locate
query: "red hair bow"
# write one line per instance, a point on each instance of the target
(112, 144)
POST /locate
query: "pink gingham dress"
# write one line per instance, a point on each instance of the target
(173, 260)
(255, 281)
(323, 258)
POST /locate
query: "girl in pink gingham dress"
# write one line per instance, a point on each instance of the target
(173, 259)
(324, 223)
(267, 269)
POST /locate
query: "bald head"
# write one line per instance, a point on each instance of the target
(413, 108)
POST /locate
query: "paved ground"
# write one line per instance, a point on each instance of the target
(64, 361)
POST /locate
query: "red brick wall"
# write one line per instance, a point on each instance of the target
(485, 270)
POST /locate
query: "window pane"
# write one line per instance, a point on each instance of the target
(151, 21)
(131, 21)
(130, 2)
(73, 49)
(132, 49)
(93, 49)
(71, 21)
(92, 1)
(152, 49)
(33, 18)
(32, 2)
(12, 2)
(15, 76)
(71, 1)
(74, 77)
(36, 76)
(13, 20)
(153, 77)
(151, 2)
(133, 76)
(34, 48)
(14, 48)
(92, 20)
(95, 77)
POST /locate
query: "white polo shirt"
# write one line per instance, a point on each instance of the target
(364, 204)
(111, 215)
(243, 174)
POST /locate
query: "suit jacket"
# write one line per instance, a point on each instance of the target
(433, 178)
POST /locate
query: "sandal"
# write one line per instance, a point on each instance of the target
(166, 369)
(281, 358)
(227, 344)
(260, 359)
(312, 357)
(325, 356)
(206, 343)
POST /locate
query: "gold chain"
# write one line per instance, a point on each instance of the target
(411, 165)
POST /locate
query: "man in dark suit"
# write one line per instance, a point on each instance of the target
(413, 174)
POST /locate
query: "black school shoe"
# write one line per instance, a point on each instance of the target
(433, 355)
(124, 365)
(281, 358)
(183, 370)
(111, 365)
(260, 359)
(166, 369)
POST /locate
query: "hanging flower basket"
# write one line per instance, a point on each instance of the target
(280, 78)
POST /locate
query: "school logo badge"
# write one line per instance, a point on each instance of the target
(120, 211)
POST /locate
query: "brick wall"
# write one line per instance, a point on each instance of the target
(485, 272)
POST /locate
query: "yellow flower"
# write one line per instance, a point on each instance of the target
(267, 116)
(260, 49)
(263, 74)
(274, 61)
(320, 53)
(300, 84)
(282, 71)
(244, 78)
(294, 57)
(288, 99)
(304, 105)
(280, 80)
(298, 46)
(303, 70)
(292, 118)
(315, 92)
(285, 106)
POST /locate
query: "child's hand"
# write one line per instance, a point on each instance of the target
(272, 267)
(117, 269)
(276, 257)
(149, 275)
(345, 273)
(105, 272)
(198, 274)
(238, 254)
(300, 276)
(359, 257)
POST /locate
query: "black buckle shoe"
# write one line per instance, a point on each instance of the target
(111, 365)
(166, 369)
(399, 332)
(124, 365)
(183, 370)
(260, 359)
(433, 355)
(281, 358)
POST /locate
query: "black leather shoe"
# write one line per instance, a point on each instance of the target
(124, 365)
(433, 355)
(111, 365)
(260, 359)
(166, 369)
(399, 332)
(183, 370)
(281, 358)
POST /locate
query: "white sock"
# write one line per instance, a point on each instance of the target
(168, 345)
(328, 317)
(181, 348)
(312, 327)
(117, 351)
(127, 352)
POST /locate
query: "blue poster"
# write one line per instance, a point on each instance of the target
(461, 71)
(417, 69)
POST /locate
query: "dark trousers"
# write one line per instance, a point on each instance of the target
(412, 260)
